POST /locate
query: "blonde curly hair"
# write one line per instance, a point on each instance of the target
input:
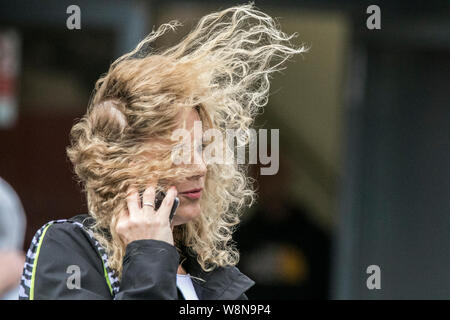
(222, 68)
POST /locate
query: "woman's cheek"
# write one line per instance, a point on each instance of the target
(187, 212)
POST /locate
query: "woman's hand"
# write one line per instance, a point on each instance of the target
(138, 223)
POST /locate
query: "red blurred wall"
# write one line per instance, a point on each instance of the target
(33, 161)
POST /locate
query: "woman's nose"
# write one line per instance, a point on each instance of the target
(200, 169)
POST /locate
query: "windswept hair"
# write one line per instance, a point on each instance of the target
(221, 68)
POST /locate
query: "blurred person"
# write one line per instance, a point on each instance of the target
(12, 233)
(282, 249)
(122, 149)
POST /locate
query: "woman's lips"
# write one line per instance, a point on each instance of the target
(192, 194)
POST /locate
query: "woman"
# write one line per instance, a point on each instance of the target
(123, 153)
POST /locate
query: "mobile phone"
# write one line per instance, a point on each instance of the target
(158, 200)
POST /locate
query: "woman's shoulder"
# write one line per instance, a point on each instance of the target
(65, 237)
(77, 227)
(84, 221)
(58, 246)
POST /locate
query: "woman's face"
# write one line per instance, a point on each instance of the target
(190, 191)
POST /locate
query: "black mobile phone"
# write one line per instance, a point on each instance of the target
(158, 200)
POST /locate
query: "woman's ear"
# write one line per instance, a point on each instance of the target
(107, 120)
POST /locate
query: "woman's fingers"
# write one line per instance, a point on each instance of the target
(133, 201)
(149, 197)
(134, 207)
(136, 223)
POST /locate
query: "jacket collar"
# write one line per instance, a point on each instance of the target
(222, 283)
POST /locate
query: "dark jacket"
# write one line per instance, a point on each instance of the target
(62, 248)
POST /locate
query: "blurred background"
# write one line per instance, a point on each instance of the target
(364, 120)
